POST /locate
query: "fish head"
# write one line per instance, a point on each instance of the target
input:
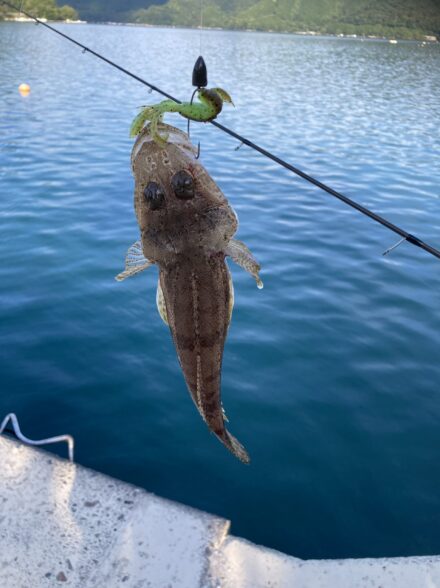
(179, 207)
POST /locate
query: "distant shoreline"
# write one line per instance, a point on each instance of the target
(428, 39)
(42, 19)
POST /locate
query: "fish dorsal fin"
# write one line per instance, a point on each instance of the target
(135, 262)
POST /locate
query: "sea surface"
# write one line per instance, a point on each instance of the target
(331, 375)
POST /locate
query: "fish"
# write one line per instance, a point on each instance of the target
(186, 229)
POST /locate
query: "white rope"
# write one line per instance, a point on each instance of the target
(17, 431)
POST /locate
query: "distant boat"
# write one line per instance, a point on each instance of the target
(393, 41)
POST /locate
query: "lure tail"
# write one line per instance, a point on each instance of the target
(139, 122)
(209, 106)
(155, 116)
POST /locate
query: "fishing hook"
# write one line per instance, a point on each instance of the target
(187, 128)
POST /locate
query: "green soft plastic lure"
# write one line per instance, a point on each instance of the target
(209, 106)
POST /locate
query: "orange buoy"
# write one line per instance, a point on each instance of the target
(24, 89)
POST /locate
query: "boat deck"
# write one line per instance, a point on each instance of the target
(63, 524)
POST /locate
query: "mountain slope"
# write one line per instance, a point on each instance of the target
(110, 10)
(402, 18)
(399, 18)
(41, 8)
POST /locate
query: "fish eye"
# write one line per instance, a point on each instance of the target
(183, 185)
(154, 195)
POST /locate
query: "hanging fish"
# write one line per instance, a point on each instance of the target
(186, 226)
(208, 108)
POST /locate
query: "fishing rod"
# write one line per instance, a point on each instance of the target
(405, 236)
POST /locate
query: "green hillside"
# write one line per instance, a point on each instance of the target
(387, 18)
(110, 10)
(41, 8)
(391, 18)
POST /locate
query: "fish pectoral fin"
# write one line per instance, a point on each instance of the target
(135, 262)
(239, 253)
(231, 298)
(160, 302)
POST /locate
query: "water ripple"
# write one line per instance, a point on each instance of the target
(331, 373)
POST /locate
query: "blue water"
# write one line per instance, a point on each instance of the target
(331, 374)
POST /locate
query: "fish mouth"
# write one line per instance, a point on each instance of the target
(176, 137)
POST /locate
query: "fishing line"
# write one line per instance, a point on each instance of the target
(201, 25)
(243, 140)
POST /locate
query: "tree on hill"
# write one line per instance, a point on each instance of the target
(403, 18)
(41, 9)
(399, 18)
(110, 10)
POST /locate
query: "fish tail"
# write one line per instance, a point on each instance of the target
(234, 446)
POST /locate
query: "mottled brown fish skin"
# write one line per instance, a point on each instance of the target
(187, 239)
(197, 295)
